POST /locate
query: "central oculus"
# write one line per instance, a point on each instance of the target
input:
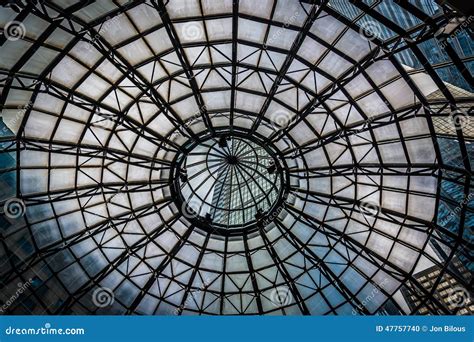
(228, 183)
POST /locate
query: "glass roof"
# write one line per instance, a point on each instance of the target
(227, 182)
(111, 109)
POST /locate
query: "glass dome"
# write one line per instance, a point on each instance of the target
(224, 157)
(228, 184)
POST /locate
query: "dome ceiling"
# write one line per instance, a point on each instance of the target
(124, 118)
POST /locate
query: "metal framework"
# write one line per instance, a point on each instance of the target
(105, 102)
(224, 184)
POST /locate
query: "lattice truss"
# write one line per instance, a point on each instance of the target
(98, 99)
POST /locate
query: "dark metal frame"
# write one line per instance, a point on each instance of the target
(251, 225)
(77, 300)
